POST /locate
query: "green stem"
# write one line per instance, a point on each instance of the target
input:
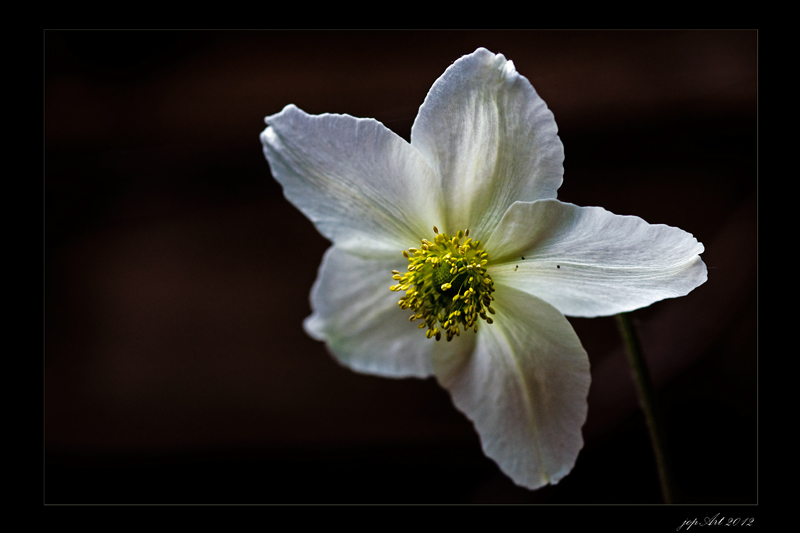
(644, 387)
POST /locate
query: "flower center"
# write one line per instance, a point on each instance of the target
(446, 284)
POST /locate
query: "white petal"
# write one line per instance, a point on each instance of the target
(586, 261)
(491, 139)
(364, 187)
(524, 388)
(357, 315)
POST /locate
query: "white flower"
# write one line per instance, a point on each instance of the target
(485, 157)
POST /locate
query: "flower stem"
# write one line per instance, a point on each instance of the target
(646, 391)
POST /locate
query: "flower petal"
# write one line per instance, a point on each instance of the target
(364, 187)
(357, 315)
(586, 261)
(491, 139)
(524, 388)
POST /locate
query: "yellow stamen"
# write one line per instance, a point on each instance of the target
(449, 297)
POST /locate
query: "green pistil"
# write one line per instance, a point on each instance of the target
(446, 285)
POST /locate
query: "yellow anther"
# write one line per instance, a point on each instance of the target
(429, 289)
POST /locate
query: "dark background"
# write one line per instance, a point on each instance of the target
(177, 276)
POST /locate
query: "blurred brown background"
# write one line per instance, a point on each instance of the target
(177, 276)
